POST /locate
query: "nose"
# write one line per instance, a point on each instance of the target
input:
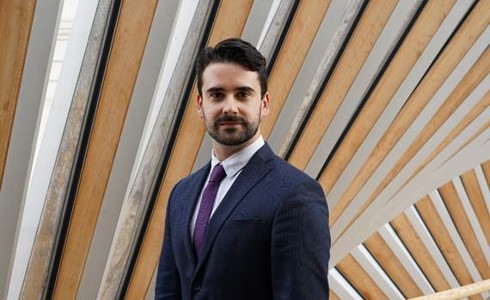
(230, 107)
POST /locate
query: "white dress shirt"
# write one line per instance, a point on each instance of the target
(233, 166)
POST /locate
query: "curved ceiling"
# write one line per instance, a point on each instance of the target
(384, 102)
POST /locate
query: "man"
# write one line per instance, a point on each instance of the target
(248, 225)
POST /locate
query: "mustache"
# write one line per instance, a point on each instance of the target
(233, 119)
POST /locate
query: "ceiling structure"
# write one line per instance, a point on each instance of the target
(384, 102)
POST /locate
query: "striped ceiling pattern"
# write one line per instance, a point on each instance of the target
(384, 102)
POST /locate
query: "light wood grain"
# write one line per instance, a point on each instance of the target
(15, 29)
(478, 203)
(443, 240)
(476, 111)
(448, 60)
(459, 292)
(460, 219)
(464, 88)
(299, 38)
(359, 279)
(421, 255)
(392, 266)
(353, 58)
(122, 69)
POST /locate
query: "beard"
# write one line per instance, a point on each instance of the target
(235, 135)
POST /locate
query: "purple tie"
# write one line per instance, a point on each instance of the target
(206, 207)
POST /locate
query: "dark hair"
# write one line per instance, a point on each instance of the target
(236, 51)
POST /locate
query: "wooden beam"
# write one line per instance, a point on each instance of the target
(358, 49)
(127, 51)
(454, 52)
(359, 279)
(15, 28)
(407, 55)
(293, 52)
(478, 109)
(454, 206)
(459, 292)
(472, 188)
(333, 296)
(486, 171)
(392, 266)
(229, 22)
(464, 88)
(44, 248)
(421, 255)
(433, 221)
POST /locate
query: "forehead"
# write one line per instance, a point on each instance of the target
(222, 74)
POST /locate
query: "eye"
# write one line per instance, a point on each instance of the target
(243, 95)
(215, 95)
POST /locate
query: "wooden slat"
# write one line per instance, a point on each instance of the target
(15, 29)
(441, 236)
(358, 49)
(230, 21)
(454, 52)
(124, 62)
(419, 36)
(470, 140)
(459, 292)
(476, 74)
(478, 109)
(392, 266)
(333, 296)
(455, 208)
(486, 171)
(359, 279)
(419, 252)
(472, 187)
(293, 52)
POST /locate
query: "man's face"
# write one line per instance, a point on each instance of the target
(231, 105)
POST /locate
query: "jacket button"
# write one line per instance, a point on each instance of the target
(196, 287)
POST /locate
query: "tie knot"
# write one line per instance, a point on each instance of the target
(217, 174)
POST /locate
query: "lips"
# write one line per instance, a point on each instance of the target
(229, 123)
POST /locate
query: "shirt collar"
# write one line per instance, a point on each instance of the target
(237, 161)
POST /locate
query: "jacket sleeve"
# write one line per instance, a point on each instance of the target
(300, 246)
(167, 285)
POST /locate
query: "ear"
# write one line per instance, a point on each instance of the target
(265, 102)
(200, 110)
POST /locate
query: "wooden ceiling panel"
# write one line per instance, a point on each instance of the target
(392, 266)
(419, 36)
(420, 253)
(472, 188)
(472, 115)
(356, 275)
(438, 230)
(129, 43)
(15, 28)
(333, 296)
(387, 188)
(398, 96)
(304, 27)
(444, 65)
(353, 57)
(453, 204)
(486, 171)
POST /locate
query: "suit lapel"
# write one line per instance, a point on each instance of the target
(195, 186)
(252, 173)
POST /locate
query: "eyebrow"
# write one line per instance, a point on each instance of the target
(245, 89)
(240, 88)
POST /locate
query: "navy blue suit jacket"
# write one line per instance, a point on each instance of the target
(268, 239)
